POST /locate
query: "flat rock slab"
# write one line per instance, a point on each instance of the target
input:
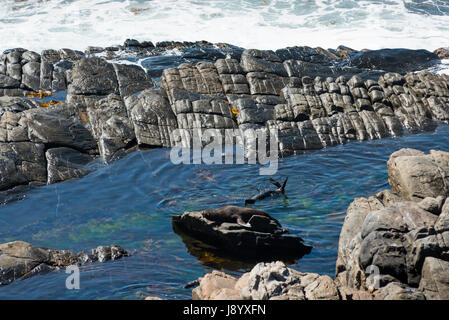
(240, 241)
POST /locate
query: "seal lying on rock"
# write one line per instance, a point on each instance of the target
(226, 234)
(239, 215)
(270, 193)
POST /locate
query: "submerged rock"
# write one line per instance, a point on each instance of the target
(260, 239)
(20, 260)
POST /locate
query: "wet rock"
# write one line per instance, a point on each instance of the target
(415, 175)
(107, 253)
(260, 240)
(20, 260)
(394, 60)
(65, 163)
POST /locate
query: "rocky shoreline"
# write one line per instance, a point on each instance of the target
(393, 246)
(314, 97)
(20, 260)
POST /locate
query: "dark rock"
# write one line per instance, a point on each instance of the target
(131, 79)
(31, 73)
(21, 163)
(240, 241)
(93, 76)
(8, 82)
(131, 43)
(152, 118)
(394, 60)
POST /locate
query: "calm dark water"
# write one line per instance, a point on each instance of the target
(130, 203)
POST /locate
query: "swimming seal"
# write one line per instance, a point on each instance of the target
(270, 193)
(237, 215)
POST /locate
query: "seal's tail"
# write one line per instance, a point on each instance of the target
(283, 186)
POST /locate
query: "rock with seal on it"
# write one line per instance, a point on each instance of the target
(241, 232)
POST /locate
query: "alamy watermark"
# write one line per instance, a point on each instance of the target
(72, 282)
(216, 146)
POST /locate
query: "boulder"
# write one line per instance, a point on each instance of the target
(22, 163)
(394, 60)
(131, 79)
(414, 175)
(217, 286)
(435, 279)
(93, 76)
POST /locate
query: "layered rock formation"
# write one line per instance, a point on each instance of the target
(394, 245)
(20, 260)
(111, 109)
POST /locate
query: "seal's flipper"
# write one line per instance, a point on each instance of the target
(283, 185)
(277, 184)
(242, 223)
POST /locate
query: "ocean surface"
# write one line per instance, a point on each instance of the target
(131, 202)
(261, 24)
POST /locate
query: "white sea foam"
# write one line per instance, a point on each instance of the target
(264, 24)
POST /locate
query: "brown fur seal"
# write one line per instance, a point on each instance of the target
(236, 214)
(270, 193)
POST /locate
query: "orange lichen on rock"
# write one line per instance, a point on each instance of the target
(51, 103)
(41, 94)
